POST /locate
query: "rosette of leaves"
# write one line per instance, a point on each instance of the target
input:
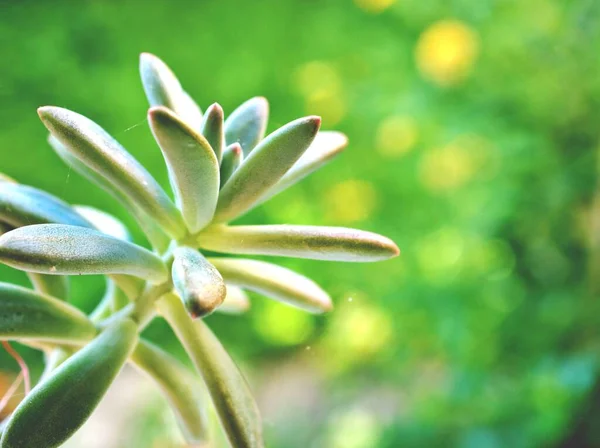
(218, 169)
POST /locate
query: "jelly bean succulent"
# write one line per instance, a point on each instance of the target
(219, 168)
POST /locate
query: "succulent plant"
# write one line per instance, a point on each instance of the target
(219, 169)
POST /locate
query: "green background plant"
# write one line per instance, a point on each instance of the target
(484, 332)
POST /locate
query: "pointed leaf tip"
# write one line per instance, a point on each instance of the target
(265, 165)
(212, 129)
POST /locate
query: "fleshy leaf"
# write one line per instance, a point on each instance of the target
(161, 86)
(58, 406)
(25, 314)
(315, 242)
(181, 388)
(233, 157)
(52, 285)
(155, 235)
(104, 222)
(275, 282)
(247, 124)
(236, 301)
(21, 205)
(93, 146)
(265, 165)
(191, 112)
(326, 145)
(212, 129)
(70, 250)
(197, 282)
(193, 166)
(228, 389)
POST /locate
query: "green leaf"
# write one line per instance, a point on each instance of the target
(233, 157)
(265, 165)
(198, 283)
(247, 124)
(162, 87)
(70, 250)
(58, 406)
(236, 301)
(25, 314)
(52, 285)
(228, 389)
(326, 145)
(315, 242)
(182, 389)
(155, 235)
(191, 112)
(275, 282)
(104, 222)
(93, 146)
(212, 129)
(193, 166)
(21, 205)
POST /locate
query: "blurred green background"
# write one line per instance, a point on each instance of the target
(473, 129)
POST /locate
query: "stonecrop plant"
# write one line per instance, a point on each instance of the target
(218, 169)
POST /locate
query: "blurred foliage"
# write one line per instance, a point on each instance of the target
(473, 129)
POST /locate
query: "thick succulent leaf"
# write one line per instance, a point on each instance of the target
(228, 389)
(93, 146)
(265, 165)
(247, 124)
(52, 285)
(212, 129)
(191, 112)
(6, 178)
(155, 235)
(275, 282)
(193, 166)
(233, 156)
(21, 205)
(70, 250)
(326, 145)
(104, 222)
(182, 389)
(315, 242)
(236, 301)
(58, 406)
(198, 283)
(25, 314)
(164, 89)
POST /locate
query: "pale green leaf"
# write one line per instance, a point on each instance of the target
(182, 389)
(155, 235)
(265, 165)
(93, 146)
(21, 205)
(247, 124)
(59, 405)
(70, 250)
(104, 222)
(26, 314)
(233, 157)
(228, 389)
(52, 285)
(193, 166)
(275, 282)
(236, 301)
(315, 242)
(212, 129)
(198, 283)
(326, 145)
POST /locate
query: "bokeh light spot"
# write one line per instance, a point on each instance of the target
(283, 325)
(356, 428)
(446, 52)
(350, 201)
(396, 136)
